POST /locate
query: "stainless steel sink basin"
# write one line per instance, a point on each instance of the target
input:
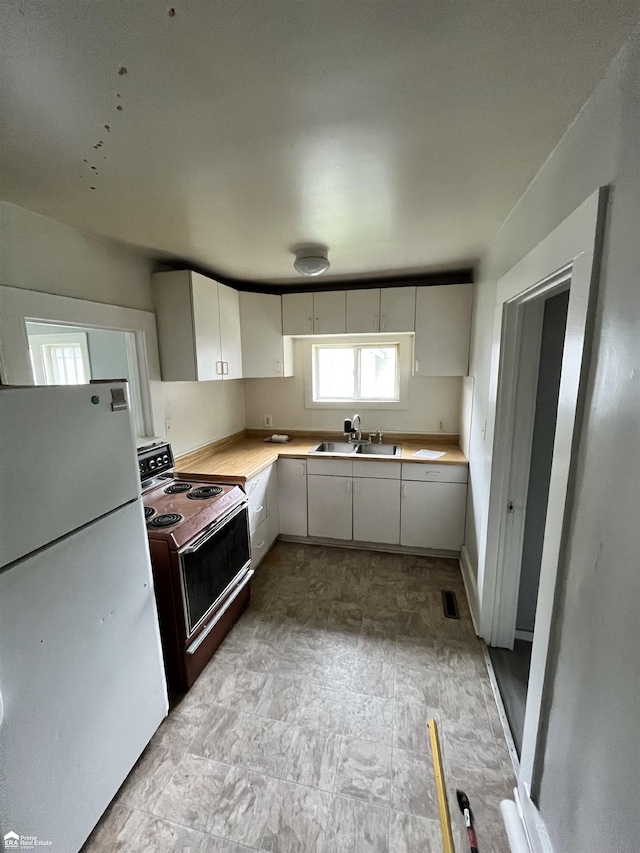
(341, 447)
(344, 448)
(379, 450)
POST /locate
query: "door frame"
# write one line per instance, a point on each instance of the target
(570, 253)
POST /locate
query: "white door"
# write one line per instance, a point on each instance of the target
(206, 329)
(297, 313)
(363, 310)
(329, 307)
(81, 677)
(443, 323)
(432, 515)
(292, 496)
(66, 458)
(330, 506)
(230, 336)
(376, 511)
(397, 309)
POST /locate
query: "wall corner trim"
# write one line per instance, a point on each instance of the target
(471, 587)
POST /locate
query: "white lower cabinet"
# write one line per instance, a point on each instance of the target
(330, 506)
(432, 515)
(376, 510)
(262, 491)
(292, 496)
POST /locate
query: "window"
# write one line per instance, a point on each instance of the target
(367, 372)
(60, 359)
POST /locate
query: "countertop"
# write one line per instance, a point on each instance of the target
(240, 457)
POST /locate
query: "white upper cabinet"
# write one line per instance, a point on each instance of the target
(363, 310)
(230, 337)
(329, 310)
(397, 309)
(297, 313)
(265, 352)
(198, 324)
(443, 320)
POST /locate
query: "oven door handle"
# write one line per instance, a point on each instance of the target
(207, 630)
(198, 543)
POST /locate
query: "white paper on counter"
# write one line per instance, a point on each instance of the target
(430, 454)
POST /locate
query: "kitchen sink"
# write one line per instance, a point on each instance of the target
(379, 450)
(344, 448)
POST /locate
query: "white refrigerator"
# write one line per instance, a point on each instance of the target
(82, 685)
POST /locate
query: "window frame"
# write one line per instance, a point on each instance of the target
(357, 348)
(404, 367)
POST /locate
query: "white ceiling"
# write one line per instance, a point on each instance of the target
(399, 134)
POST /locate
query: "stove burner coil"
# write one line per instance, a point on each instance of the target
(177, 488)
(149, 511)
(166, 520)
(204, 492)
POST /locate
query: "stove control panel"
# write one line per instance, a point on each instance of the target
(155, 460)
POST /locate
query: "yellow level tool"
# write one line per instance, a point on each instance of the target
(441, 789)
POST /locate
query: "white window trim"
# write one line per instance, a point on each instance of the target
(405, 366)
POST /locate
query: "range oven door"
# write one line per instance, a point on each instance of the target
(213, 566)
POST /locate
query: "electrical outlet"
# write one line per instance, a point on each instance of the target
(167, 426)
(440, 424)
(268, 421)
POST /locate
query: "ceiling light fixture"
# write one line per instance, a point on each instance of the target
(311, 262)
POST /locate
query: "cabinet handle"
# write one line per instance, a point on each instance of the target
(404, 491)
(259, 544)
(303, 469)
(355, 487)
(278, 367)
(382, 322)
(225, 367)
(317, 325)
(218, 368)
(375, 323)
(311, 324)
(255, 485)
(258, 509)
(349, 486)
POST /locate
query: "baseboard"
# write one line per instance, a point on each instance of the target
(471, 587)
(524, 635)
(357, 545)
(534, 826)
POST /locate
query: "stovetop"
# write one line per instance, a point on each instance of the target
(178, 511)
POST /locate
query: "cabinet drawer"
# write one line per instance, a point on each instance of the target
(376, 470)
(434, 473)
(330, 467)
(259, 543)
(257, 508)
(260, 481)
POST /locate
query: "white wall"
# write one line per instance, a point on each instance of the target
(40, 254)
(591, 756)
(430, 398)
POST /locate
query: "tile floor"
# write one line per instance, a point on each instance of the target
(307, 732)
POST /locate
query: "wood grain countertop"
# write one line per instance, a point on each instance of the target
(240, 457)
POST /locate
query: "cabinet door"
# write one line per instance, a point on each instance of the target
(329, 309)
(263, 347)
(206, 323)
(230, 338)
(297, 313)
(292, 496)
(398, 309)
(363, 310)
(432, 515)
(330, 506)
(376, 511)
(443, 319)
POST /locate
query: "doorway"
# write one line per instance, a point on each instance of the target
(511, 666)
(62, 354)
